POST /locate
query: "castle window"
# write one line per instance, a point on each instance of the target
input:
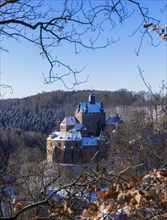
(50, 144)
(59, 144)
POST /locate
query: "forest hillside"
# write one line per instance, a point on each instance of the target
(44, 112)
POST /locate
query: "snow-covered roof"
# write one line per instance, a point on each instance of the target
(114, 120)
(70, 136)
(89, 107)
(89, 141)
(69, 121)
(79, 127)
(101, 136)
(73, 136)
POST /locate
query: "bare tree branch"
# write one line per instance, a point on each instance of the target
(152, 93)
(78, 23)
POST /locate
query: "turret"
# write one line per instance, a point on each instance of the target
(91, 97)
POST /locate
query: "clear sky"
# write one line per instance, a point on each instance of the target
(111, 68)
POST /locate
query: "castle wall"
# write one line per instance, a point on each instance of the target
(73, 152)
(50, 149)
(89, 153)
(94, 122)
(64, 151)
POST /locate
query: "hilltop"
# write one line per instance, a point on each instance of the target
(26, 122)
(44, 112)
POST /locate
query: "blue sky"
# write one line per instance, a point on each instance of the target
(111, 68)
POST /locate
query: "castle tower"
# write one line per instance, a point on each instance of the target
(91, 114)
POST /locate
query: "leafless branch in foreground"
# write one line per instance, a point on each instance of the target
(82, 24)
(151, 91)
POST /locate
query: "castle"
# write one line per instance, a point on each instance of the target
(81, 137)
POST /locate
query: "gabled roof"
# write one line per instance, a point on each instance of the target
(70, 136)
(114, 120)
(73, 136)
(72, 121)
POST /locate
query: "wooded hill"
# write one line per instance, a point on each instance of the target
(26, 122)
(44, 112)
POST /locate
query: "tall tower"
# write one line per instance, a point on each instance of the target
(91, 114)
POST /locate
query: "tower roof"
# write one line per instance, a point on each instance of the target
(89, 107)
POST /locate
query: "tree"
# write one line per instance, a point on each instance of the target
(82, 24)
(139, 145)
(90, 194)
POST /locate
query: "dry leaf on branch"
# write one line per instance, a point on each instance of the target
(17, 206)
(147, 25)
